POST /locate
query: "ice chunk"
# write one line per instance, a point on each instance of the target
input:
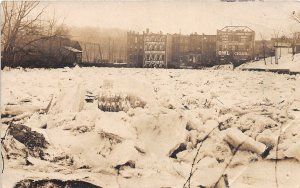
(238, 139)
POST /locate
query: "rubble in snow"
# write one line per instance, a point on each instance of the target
(116, 103)
(34, 143)
(241, 141)
(158, 128)
(69, 101)
(55, 183)
(293, 151)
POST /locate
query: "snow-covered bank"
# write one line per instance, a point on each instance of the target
(285, 62)
(151, 125)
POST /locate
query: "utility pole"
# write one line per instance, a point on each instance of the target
(112, 51)
(202, 50)
(100, 52)
(94, 50)
(86, 53)
(109, 50)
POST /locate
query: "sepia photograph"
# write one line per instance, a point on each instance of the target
(150, 94)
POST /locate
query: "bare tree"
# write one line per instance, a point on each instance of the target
(296, 16)
(22, 26)
(295, 38)
(277, 40)
(263, 47)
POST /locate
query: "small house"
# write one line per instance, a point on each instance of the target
(282, 49)
(50, 52)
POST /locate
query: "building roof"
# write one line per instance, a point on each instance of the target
(283, 44)
(237, 28)
(72, 49)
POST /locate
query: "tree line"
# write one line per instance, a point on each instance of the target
(25, 33)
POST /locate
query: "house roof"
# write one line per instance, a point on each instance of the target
(282, 45)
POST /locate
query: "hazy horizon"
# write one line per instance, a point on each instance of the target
(176, 16)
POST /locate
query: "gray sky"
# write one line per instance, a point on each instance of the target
(173, 16)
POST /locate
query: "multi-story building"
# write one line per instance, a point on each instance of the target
(209, 50)
(194, 49)
(147, 49)
(135, 49)
(231, 44)
(180, 47)
(169, 51)
(203, 49)
(235, 44)
(154, 49)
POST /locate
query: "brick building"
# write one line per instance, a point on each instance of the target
(154, 49)
(235, 44)
(193, 50)
(169, 51)
(210, 48)
(231, 44)
(204, 48)
(135, 49)
(147, 49)
(180, 47)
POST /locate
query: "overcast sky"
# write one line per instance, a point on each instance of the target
(174, 16)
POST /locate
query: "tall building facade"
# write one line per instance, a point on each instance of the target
(235, 44)
(147, 49)
(202, 49)
(180, 46)
(154, 49)
(135, 49)
(193, 50)
(169, 51)
(209, 49)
